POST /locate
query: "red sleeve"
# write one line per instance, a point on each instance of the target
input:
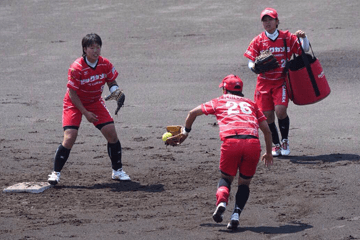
(73, 78)
(209, 107)
(253, 49)
(111, 71)
(295, 45)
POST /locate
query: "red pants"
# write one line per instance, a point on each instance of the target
(72, 116)
(240, 154)
(268, 94)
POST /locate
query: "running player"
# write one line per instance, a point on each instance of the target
(86, 79)
(270, 93)
(239, 121)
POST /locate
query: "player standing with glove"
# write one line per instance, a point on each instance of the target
(239, 121)
(86, 79)
(270, 93)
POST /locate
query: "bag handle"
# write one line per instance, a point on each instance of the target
(308, 68)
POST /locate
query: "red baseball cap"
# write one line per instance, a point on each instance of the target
(232, 83)
(270, 12)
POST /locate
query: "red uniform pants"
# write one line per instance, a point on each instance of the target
(240, 154)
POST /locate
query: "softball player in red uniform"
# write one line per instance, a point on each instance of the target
(239, 121)
(270, 93)
(86, 79)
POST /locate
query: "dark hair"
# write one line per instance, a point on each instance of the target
(237, 93)
(90, 39)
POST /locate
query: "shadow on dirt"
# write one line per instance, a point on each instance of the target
(125, 186)
(330, 158)
(294, 227)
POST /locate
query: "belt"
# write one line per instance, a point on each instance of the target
(241, 136)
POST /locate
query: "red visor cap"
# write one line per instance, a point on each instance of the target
(270, 12)
(232, 83)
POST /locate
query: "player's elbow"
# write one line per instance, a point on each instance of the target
(192, 114)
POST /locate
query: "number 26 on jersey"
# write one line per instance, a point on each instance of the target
(235, 108)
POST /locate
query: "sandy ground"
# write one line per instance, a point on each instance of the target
(171, 56)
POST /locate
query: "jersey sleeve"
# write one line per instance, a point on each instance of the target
(295, 45)
(209, 107)
(111, 71)
(252, 51)
(73, 78)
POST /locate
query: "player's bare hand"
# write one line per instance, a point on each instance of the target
(91, 117)
(300, 33)
(267, 159)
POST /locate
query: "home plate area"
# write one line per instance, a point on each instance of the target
(29, 187)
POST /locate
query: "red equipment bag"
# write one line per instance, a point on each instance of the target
(306, 82)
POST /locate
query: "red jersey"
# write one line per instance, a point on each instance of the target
(235, 115)
(261, 43)
(89, 82)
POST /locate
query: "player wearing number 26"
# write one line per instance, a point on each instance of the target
(239, 121)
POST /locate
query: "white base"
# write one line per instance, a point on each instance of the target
(30, 187)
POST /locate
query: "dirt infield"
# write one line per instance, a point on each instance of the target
(171, 56)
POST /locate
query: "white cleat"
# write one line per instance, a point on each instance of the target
(54, 178)
(218, 214)
(120, 175)
(276, 151)
(234, 221)
(285, 148)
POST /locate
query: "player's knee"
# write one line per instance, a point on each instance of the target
(244, 180)
(113, 139)
(270, 116)
(70, 136)
(280, 111)
(109, 133)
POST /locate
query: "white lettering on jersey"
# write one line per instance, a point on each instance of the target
(233, 107)
(283, 94)
(93, 79)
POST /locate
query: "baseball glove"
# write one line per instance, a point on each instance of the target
(265, 62)
(178, 135)
(119, 96)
